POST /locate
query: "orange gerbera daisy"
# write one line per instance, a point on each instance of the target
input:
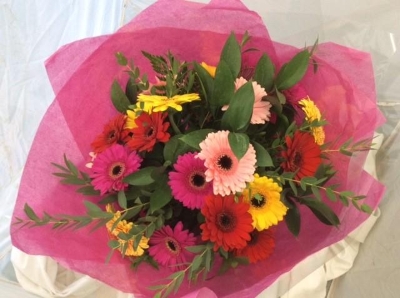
(260, 246)
(228, 224)
(150, 129)
(302, 156)
(112, 134)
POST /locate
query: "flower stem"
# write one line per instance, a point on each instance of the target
(173, 124)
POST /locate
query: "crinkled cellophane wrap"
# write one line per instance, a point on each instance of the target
(81, 74)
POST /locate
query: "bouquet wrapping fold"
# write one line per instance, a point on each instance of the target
(81, 75)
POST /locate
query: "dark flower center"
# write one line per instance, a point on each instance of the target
(117, 170)
(253, 238)
(172, 245)
(150, 132)
(197, 180)
(111, 136)
(296, 162)
(258, 201)
(226, 222)
(225, 162)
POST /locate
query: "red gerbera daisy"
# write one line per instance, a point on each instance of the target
(302, 156)
(112, 134)
(260, 246)
(149, 130)
(228, 224)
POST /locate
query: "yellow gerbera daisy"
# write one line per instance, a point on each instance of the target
(160, 103)
(210, 69)
(124, 227)
(130, 119)
(266, 208)
(312, 113)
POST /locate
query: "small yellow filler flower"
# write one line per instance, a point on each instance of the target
(126, 246)
(312, 113)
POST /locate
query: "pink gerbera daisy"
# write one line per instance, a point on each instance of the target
(188, 181)
(229, 175)
(111, 166)
(261, 109)
(167, 246)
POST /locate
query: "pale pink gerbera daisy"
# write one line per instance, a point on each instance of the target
(111, 166)
(188, 181)
(261, 109)
(229, 175)
(167, 246)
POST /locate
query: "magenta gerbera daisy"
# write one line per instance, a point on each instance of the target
(188, 181)
(228, 174)
(261, 109)
(111, 166)
(167, 246)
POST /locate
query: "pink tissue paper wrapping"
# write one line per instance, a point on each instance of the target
(81, 74)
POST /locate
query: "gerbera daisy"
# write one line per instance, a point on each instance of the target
(130, 119)
(188, 181)
(264, 197)
(160, 103)
(167, 246)
(150, 129)
(123, 226)
(261, 109)
(210, 69)
(228, 224)
(302, 155)
(111, 166)
(313, 114)
(260, 246)
(229, 175)
(111, 134)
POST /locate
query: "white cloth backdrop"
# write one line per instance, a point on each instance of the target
(30, 31)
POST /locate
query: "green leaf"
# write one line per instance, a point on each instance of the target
(322, 212)
(71, 166)
(194, 138)
(224, 86)
(141, 177)
(239, 143)
(265, 72)
(175, 147)
(293, 186)
(331, 195)
(121, 59)
(366, 208)
(195, 249)
(88, 191)
(231, 54)
(161, 196)
(118, 97)
(122, 200)
(238, 115)
(131, 91)
(276, 104)
(316, 192)
(205, 79)
(292, 219)
(30, 213)
(263, 157)
(293, 71)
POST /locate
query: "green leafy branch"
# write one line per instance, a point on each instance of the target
(94, 215)
(349, 148)
(201, 263)
(314, 185)
(71, 175)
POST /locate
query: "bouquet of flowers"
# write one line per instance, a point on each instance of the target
(233, 146)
